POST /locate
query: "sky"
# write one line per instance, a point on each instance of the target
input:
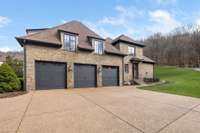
(108, 18)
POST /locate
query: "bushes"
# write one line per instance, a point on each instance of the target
(21, 83)
(151, 80)
(16, 65)
(8, 79)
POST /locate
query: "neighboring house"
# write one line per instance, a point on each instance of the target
(73, 56)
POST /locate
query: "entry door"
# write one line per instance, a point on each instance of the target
(135, 71)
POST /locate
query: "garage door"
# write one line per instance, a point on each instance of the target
(110, 76)
(50, 75)
(84, 75)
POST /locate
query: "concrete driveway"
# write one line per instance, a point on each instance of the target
(109, 110)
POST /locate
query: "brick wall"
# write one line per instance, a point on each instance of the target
(145, 70)
(53, 54)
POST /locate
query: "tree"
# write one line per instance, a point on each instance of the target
(16, 65)
(8, 79)
(179, 48)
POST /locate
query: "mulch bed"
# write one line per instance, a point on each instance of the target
(12, 94)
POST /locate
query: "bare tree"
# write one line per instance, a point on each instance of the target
(179, 48)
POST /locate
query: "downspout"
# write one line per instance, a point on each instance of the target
(24, 71)
(123, 71)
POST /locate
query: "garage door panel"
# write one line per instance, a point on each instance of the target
(50, 75)
(84, 76)
(110, 76)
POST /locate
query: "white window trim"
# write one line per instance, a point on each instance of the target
(96, 48)
(133, 52)
(76, 42)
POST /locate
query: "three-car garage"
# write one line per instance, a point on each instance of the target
(53, 75)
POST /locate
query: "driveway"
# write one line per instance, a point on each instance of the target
(99, 110)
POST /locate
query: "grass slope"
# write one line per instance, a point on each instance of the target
(183, 81)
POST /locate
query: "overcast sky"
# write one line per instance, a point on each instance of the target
(135, 18)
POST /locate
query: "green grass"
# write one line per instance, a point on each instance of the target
(182, 81)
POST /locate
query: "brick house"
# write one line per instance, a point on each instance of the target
(73, 56)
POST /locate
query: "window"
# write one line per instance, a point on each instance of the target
(131, 50)
(126, 68)
(98, 45)
(70, 42)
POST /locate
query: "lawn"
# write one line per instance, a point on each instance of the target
(182, 81)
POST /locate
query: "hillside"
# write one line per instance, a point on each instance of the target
(16, 55)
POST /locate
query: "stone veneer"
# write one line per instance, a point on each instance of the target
(145, 69)
(33, 53)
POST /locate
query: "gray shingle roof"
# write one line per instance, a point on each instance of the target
(128, 40)
(143, 59)
(109, 48)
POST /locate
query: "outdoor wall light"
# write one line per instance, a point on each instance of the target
(146, 73)
(99, 69)
(69, 68)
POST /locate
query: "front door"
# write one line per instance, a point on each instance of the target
(135, 71)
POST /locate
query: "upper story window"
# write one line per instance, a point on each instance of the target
(70, 42)
(98, 46)
(131, 50)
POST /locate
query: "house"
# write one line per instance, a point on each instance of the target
(136, 65)
(73, 56)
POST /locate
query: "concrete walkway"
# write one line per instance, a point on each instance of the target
(102, 110)
(196, 69)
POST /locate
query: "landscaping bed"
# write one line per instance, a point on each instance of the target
(12, 94)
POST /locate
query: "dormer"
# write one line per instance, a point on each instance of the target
(69, 40)
(98, 44)
(128, 46)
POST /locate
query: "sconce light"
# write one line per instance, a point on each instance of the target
(99, 69)
(146, 73)
(69, 68)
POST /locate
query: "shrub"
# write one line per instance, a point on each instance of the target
(151, 80)
(16, 65)
(21, 83)
(8, 79)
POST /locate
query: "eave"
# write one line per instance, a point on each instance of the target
(23, 41)
(128, 42)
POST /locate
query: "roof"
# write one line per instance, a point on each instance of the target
(51, 36)
(143, 59)
(28, 31)
(110, 49)
(126, 39)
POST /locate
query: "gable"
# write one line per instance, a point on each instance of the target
(127, 40)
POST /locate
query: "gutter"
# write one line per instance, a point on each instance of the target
(119, 54)
(23, 41)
